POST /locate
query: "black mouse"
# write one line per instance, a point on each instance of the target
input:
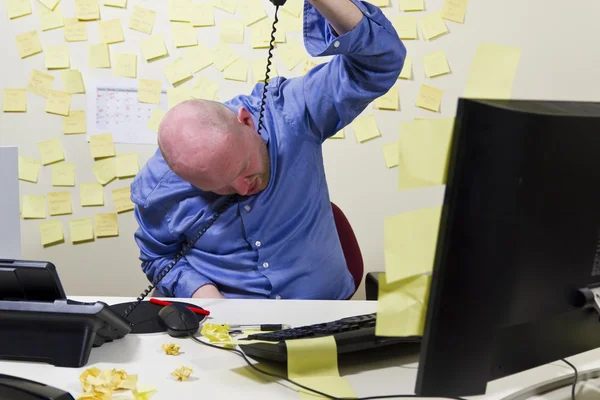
(178, 320)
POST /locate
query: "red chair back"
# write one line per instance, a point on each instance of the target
(350, 246)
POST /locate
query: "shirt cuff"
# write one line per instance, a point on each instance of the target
(188, 282)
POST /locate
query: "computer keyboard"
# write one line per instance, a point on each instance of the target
(352, 334)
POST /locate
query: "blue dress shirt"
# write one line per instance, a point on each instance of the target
(281, 242)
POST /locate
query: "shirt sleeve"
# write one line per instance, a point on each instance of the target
(366, 63)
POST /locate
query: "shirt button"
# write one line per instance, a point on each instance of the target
(247, 208)
(336, 44)
(257, 243)
(266, 264)
(278, 297)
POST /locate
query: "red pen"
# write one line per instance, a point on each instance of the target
(194, 309)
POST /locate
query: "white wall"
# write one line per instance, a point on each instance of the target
(560, 59)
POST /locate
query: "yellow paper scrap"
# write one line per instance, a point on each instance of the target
(292, 53)
(81, 230)
(58, 102)
(155, 118)
(17, 8)
(102, 145)
(178, 95)
(204, 88)
(365, 128)
(198, 57)
(49, 4)
(110, 31)
(406, 27)
(75, 30)
(101, 384)
(232, 31)
(390, 154)
(293, 7)
(251, 11)
(87, 10)
(51, 151)
(390, 100)
(182, 373)
(412, 5)
(338, 135)
(51, 19)
(98, 55)
(51, 232)
(432, 25)
(91, 194)
(435, 64)
(184, 34)
(72, 81)
(149, 91)
(34, 207)
(202, 14)
(423, 149)
(223, 56)
(105, 170)
(216, 333)
(455, 10)
(122, 199)
(125, 64)
(60, 203)
(402, 306)
(116, 3)
(177, 71)
(238, 71)
(63, 174)
(154, 47)
(106, 225)
(57, 57)
(179, 10)
(40, 83)
(127, 165)
(143, 392)
(226, 5)
(430, 98)
(406, 72)
(14, 100)
(171, 349)
(29, 169)
(142, 19)
(28, 44)
(258, 70)
(492, 71)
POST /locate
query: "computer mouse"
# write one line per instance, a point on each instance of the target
(178, 320)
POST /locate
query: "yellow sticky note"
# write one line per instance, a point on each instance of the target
(91, 194)
(122, 199)
(87, 10)
(75, 122)
(49, 4)
(125, 64)
(390, 154)
(232, 31)
(63, 174)
(143, 392)
(412, 5)
(259, 69)
(127, 165)
(51, 232)
(110, 31)
(261, 34)
(291, 23)
(365, 128)
(34, 207)
(58, 102)
(198, 57)
(492, 71)
(98, 56)
(238, 71)
(105, 170)
(455, 10)
(177, 71)
(406, 72)
(293, 7)
(28, 44)
(29, 169)
(406, 26)
(142, 19)
(102, 145)
(81, 230)
(51, 19)
(430, 98)
(106, 225)
(72, 81)
(155, 119)
(435, 64)
(433, 25)
(179, 10)
(40, 83)
(57, 57)
(177, 95)
(226, 5)
(115, 3)
(292, 53)
(75, 30)
(60, 203)
(14, 100)
(410, 241)
(149, 91)
(389, 101)
(184, 34)
(51, 151)
(154, 47)
(338, 135)
(251, 11)
(18, 8)
(423, 151)
(204, 88)
(202, 14)
(223, 56)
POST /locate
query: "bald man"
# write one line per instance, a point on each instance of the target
(277, 239)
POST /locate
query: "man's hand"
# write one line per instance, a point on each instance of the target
(342, 15)
(208, 291)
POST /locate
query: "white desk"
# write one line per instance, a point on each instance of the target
(216, 373)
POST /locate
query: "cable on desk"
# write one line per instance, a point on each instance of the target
(575, 380)
(285, 378)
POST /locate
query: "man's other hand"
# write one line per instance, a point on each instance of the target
(208, 291)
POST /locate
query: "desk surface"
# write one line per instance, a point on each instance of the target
(220, 374)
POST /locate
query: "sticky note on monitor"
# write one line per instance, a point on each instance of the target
(154, 48)
(29, 169)
(436, 64)
(202, 14)
(105, 170)
(106, 225)
(75, 30)
(237, 71)
(412, 5)
(91, 194)
(406, 26)
(198, 57)
(390, 154)
(51, 232)
(110, 31)
(149, 91)
(63, 174)
(81, 230)
(17, 8)
(155, 118)
(492, 71)
(28, 44)
(365, 128)
(98, 56)
(433, 26)
(60, 203)
(430, 98)
(58, 102)
(33, 207)
(455, 10)
(390, 100)
(75, 123)
(51, 151)
(177, 71)
(102, 145)
(127, 165)
(142, 19)
(40, 83)
(14, 100)
(122, 199)
(406, 72)
(125, 64)
(72, 81)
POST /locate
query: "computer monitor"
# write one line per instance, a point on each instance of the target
(519, 238)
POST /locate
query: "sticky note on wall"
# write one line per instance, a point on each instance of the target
(102, 145)
(81, 230)
(455, 10)
(106, 225)
(34, 207)
(105, 170)
(142, 19)
(14, 100)
(40, 83)
(127, 165)
(29, 169)
(91, 194)
(63, 174)
(492, 71)
(60, 203)
(122, 199)
(51, 232)
(365, 128)
(51, 151)
(75, 123)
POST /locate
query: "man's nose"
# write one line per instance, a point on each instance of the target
(241, 187)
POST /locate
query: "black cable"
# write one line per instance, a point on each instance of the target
(270, 55)
(285, 378)
(575, 380)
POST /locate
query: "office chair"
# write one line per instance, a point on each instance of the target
(350, 247)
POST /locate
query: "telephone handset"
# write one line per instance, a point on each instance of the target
(187, 246)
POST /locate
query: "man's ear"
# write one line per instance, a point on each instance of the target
(245, 117)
